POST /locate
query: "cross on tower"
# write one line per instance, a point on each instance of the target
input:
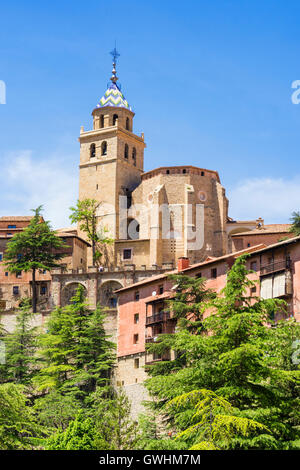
(115, 54)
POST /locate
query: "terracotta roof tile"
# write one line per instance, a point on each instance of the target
(19, 218)
(265, 229)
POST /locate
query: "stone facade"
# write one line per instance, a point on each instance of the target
(155, 218)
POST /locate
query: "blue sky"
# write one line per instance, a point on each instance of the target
(210, 83)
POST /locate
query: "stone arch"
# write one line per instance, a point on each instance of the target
(104, 148)
(106, 293)
(69, 291)
(92, 150)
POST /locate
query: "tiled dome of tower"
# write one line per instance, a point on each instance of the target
(113, 95)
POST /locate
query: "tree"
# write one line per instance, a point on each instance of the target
(20, 348)
(155, 435)
(188, 304)
(3, 368)
(215, 422)
(79, 435)
(76, 354)
(113, 422)
(85, 213)
(191, 295)
(55, 411)
(295, 219)
(239, 357)
(36, 247)
(18, 427)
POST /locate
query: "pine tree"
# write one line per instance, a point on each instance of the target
(187, 306)
(79, 435)
(18, 427)
(214, 423)
(3, 368)
(20, 347)
(239, 356)
(76, 353)
(36, 247)
(55, 411)
(111, 411)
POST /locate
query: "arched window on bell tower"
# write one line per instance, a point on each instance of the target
(101, 121)
(128, 124)
(104, 148)
(134, 156)
(92, 150)
(115, 119)
(126, 150)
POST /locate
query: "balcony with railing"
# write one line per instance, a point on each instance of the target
(153, 360)
(157, 318)
(275, 266)
(150, 339)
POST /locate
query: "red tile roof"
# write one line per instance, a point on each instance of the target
(265, 229)
(211, 260)
(17, 218)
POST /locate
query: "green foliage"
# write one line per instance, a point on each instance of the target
(155, 434)
(242, 356)
(76, 355)
(189, 302)
(295, 219)
(85, 214)
(113, 423)
(36, 247)
(79, 435)
(20, 348)
(214, 423)
(55, 411)
(18, 427)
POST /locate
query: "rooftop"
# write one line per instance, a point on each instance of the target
(113, 97)
(178, 170)
(16, 218)
(209, 260)
(266, 229)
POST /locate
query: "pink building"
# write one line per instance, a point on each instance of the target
(142, 309)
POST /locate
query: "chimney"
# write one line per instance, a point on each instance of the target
(182, 263)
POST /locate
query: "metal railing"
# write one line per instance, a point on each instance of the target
(276, 266)
(158, 317)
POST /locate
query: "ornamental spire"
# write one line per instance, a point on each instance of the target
(115, 54)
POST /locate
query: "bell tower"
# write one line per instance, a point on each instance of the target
(111, 158)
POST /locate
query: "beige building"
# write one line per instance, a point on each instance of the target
(154, 217)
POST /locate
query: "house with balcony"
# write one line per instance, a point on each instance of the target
(144, 313)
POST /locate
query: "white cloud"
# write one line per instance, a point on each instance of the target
(28, 182)
(272, 199)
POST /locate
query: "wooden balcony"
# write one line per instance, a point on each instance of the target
(160, 359)
(276, 266)
(158, 318)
